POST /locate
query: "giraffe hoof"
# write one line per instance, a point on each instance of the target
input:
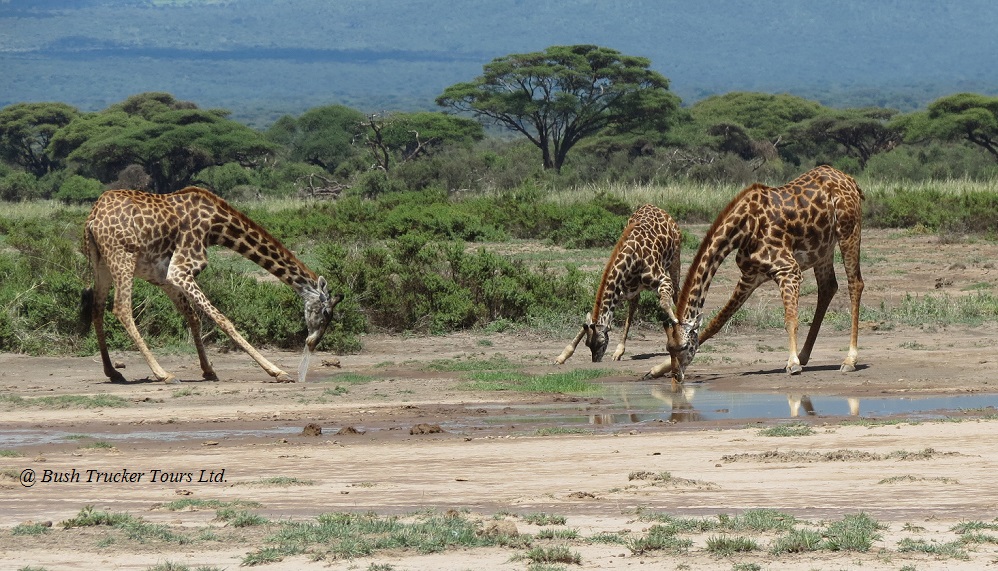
(281, 378)
(794, 369)
(210, 376)
(171, 380)
(847, 368)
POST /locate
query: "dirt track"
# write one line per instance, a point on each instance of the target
(486, 463)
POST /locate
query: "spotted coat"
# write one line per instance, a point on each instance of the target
(778, 233)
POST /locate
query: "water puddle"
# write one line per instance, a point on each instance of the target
(634, 403)
(620, 405)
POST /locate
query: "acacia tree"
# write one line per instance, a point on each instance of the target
(25, 132)
(861, 132)
(403, 137)
(171, 140)
(564, 94)
(748, 124)
(321, 136)
(968, 116)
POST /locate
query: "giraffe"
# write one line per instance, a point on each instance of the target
(163, 239)
(778, 233)
(646, 257)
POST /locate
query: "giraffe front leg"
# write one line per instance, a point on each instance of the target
(824, 274)
(123, 311)
(850, 254)
(95, 299)
(197, 298)
(570, 348)
(747, 284)
(658, 371)
(194, 323)
(632, 306)
(790, 291)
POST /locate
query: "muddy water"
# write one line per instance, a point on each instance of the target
(620, 405)
(636, 403)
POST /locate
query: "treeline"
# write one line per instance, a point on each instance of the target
(155, 142)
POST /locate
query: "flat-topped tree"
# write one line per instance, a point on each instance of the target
(564, 94)
(164, 239)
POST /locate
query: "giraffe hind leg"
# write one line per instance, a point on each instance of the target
(93, 301)
(827, 286)
(194, 323)
(123, 311)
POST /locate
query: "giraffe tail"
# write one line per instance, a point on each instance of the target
(86, 310)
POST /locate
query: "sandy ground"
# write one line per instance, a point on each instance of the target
(242, 439)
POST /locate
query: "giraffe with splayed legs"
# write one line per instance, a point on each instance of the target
(164, 239)
(778, 233)
(645, 257)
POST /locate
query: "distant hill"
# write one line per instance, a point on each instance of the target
(263, 58)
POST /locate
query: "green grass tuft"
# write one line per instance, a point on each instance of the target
(556, 554)
(855, 532)
(101, 400)
(724, 546)
(569, 382)
(788, 430)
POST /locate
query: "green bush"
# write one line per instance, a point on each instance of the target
(417, 284)
(79, 189)
(19, 185)
(974, 212)
(230, 180)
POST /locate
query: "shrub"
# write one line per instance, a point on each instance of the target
(418, 284)
(19, 185)
(229, 181)
(78, 189)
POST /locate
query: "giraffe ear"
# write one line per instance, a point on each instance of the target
(589, 318)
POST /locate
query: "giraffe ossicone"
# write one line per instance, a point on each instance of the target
(164, 239)
(646, 256)
(778, 233)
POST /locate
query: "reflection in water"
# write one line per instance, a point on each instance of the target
(680, 401)
(797, 402)
(677, 397)
(635, 403)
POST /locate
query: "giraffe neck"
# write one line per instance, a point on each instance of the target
(611, 285)
(234, 230)
(720, 240)
(608, 294)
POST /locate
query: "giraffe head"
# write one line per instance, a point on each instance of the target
(318, 311)
(682, 342)
(597, 337)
